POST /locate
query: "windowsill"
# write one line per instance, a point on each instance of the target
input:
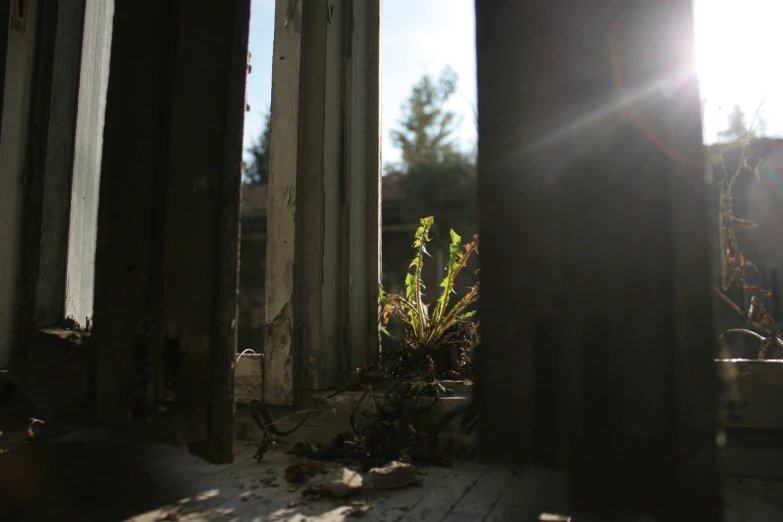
(61, 336)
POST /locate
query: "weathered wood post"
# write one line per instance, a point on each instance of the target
(595, 258)
(168, 225)
(323, 233)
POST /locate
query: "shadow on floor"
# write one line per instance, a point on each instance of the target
(92, 476)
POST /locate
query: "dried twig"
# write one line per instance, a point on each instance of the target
(734, 262)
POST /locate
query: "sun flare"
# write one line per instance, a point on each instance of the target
(737, 58)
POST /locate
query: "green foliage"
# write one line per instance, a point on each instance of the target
(439, 179)
(437, 338)
(425, 332)
(427, 126)
(257, 171)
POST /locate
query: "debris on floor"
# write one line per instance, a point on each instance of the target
(301, 471)
(295, 473)
(395, 475)
(343, 483)
(169, 483)
(358, 509)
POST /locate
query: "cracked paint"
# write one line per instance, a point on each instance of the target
(278, 360)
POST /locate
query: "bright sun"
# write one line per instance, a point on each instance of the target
(738, 44)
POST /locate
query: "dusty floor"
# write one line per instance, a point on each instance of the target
(93, 476)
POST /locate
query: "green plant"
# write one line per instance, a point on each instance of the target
(426, 332)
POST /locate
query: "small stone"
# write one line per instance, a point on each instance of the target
(343, 483)
(395, 475)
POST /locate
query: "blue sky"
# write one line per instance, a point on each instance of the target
(736, 44)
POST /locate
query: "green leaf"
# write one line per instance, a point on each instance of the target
(457, 260)
(424, 331)
(410, 287)
(455, 238)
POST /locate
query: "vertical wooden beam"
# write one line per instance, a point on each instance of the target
(169, 223)
(200, 251)
(323, 243)
(318, 263)
(131, 208)
(521, 270)
(58, 167)
(280, 361)
(590, 153)
(363, 173)
(34, 168)
(5, 25)
(17, 99)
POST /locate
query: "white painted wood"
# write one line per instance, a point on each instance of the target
(13, 146)
(281, 220)
(96, 50)
(323, 245)
(320, 271)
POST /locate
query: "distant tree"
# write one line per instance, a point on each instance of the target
(439, 178)
(737, 127)
(257, 170)
(427, 127)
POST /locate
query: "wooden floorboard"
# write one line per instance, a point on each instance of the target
(95, 478)
(482, 497)
(521, 497)
(436, 504)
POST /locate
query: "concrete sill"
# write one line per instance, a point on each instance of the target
(332, 415)
(61, 336)
(751, 417)
(56, 374)
(248, 381)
